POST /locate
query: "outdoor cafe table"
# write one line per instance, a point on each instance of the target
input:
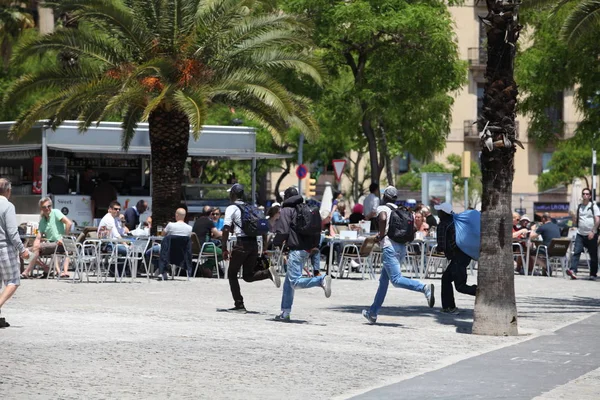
(424, 244)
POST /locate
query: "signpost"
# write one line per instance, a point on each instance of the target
(301, 171)
(338, 168)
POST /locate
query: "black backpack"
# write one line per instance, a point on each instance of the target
(253, 222)
(307, 221)
(402, 225)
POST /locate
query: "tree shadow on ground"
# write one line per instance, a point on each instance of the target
(463, 321)
(553, 305)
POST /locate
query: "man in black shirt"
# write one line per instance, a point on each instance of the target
(457, 269)
(205, 229)
(548, 230)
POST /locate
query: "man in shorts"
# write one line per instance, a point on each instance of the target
(54, 224)
(10, 248)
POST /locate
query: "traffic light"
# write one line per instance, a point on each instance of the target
(311, 188)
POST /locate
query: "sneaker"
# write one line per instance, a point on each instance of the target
(275, 276)
(283, 317)
(237, 310)
(571, 274)
(369, 318)
(592, 278)
(326, 285)
(429, 294)
(317, 273)
(3, 323)
(451, 310)
(354, 264)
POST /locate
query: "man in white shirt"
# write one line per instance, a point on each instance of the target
(244, 252)
(393, 254)
(179, 227)
(586, 220)
(111, 227)
(371, 202)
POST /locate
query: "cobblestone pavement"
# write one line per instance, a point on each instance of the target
(161, 340)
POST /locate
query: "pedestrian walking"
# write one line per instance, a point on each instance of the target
(586, 220)
(459, 261)
(303, 226)
(394, 252)
(10, 248)
(245, 250)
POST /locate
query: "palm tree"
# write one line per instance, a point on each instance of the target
(13, 21)
(166, 62)
(582, 21)
(495, 308)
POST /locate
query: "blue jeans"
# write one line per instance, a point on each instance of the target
(315, 260)
(392, 256)
(294, 279)
(592, 248)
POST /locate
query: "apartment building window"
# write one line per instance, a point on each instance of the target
(555, 113)
(546, 162)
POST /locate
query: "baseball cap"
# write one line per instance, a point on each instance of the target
(289, 192)
(390, 192)
(525, 217)
(445, 207)
(237, 188)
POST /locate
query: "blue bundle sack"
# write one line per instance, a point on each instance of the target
(468, 232)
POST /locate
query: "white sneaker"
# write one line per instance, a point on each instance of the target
(326, 285)
(354, 264)
(275, 276)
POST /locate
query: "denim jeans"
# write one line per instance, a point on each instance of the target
(592, 248)
(392, 256)
(294, 279)
(315, 260)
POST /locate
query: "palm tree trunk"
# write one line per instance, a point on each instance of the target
(169, 137)
(495, 307)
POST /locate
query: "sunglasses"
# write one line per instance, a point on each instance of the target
(586, 194)
(215, 214)
(116, 209)
(47, 207)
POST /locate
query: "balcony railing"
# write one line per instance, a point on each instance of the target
(477, 57)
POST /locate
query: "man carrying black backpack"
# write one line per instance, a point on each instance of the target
(396, 228)
(303, 226)
(242, 219)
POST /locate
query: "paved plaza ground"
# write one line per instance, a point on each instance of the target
(158, 340)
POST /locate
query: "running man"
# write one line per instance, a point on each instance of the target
(393, 254)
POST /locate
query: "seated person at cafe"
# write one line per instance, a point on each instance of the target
(519, 235)
(111, 227)
(54, 225)
(357, 214)
(420, 224)
(179, 227)
(206, 230)
(132, 214)
(216, 218)
(548, 230)
(338, 216)
(144, 229)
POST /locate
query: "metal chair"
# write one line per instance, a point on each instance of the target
(518, 253)
(435, 261)
(361, 255)
(86, 258)
(137, 253)
(557, 253)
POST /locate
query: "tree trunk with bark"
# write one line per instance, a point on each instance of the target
(285, 173)
(169, 137)
(495, 307)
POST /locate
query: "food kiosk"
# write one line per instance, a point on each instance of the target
(58, 163)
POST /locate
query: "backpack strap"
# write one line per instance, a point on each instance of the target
(241, 208)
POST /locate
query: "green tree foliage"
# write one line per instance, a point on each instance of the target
(412, 180)
(397, 62)
(14, 20)
(166, 62)
(569, 161)
(556, 63)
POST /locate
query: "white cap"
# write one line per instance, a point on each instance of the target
(525, 217)
(445, 207)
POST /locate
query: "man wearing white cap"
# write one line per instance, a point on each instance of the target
(393, 254)
(459, 261)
